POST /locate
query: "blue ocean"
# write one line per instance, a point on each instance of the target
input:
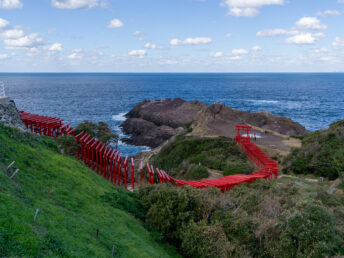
(314, 100)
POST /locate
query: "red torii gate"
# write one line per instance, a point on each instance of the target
(49, 126)
(244, 128)
(107, 161)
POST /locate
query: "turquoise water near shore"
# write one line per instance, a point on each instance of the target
(314, 100)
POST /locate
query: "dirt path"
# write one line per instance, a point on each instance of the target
(214, 174)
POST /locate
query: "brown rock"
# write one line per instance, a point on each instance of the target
(220, 120)
(151, 123)
(9, 115)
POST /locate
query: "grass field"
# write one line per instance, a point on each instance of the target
(80, 213)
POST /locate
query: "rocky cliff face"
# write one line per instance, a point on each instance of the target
(220, 120)
(151, 123)
(9, 115)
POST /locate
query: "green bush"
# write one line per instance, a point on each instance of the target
(186, 153)
(169, 208)
(308, 230)
(197, 172)
(321, 154)
(101, 131)
(68, 144)
(262, 219)
(202, 240)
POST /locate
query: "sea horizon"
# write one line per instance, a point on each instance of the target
(312, 99)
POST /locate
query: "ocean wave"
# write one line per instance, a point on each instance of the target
(119, 117)
(262, 101)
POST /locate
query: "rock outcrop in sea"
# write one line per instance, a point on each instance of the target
(152, 122)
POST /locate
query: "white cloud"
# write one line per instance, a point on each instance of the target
(167, 62)
(305, 38)
(234, 58)
(3, 23)
(11, 34)
(137, 33)
(32, 51)
(191, 41)
(10, 4)
(329, 13)
(247, 7)
(341, 1)
(76, 55)
(276, 32)
(256, 48)
(217, 54)
(56, 47)
(319, 35)
(140, 53)
(338, 42)
(74, 4)
(310, 23)
(152, 46)
(3, 56)
(115, 23)
(228, 35)
(239, 51)
(25, 42)
(149, 45)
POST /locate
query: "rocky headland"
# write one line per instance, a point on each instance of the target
(153, 122)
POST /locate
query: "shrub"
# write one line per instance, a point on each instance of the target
(102, 131)
(197, 172)
(68, 144)
(262, 219)
(217, 153)
(202, 240)
(87, 127)
(170, 208)
(321, 154)
(307, 231)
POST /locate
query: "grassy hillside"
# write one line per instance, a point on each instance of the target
(321, 154)
(188, 157)
(74, 204)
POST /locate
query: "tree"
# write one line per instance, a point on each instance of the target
(101, 131)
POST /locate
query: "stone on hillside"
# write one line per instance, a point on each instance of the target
(9, 115)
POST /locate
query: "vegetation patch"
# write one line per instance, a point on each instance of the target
(189, 157)
(80, 214)
(321, 154)
(262, 219)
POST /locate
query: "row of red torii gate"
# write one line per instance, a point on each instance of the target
(113, 166)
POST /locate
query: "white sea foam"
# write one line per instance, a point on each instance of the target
(141, 148)
(262, 101)
(119, 117)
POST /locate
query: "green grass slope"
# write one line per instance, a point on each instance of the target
(321, 154)
(74, 203)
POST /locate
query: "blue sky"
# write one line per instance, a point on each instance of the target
(171, 36)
